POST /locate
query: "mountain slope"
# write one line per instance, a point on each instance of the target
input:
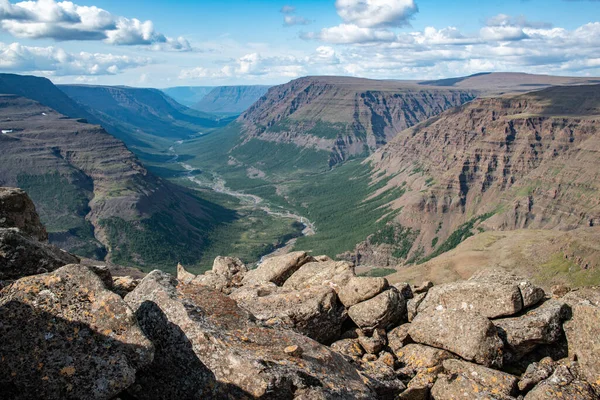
(230, 99)
(187, 95)
(526, 161)
(93, 194)
(345, 117)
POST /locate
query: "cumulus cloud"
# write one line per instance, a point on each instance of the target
(53, 61)
(376, 13)
(291, 20)
(48, 19)
(351, 34)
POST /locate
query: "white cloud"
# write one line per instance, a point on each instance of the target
(287, 9)
(53, 61)
(48, 19)
(291, 20)
(376, 13)
(351, 34)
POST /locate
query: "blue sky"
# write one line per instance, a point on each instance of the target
(168, 43)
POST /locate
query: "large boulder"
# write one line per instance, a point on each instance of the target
(415, 358)
(277, 269)
(359, 289)
(208, 347)
(22, 256)
(382, 379)
(483, 379)
(530, 293)
(329, 273)
(541, 325)
(63, 335)
(399, 337)
(226, 275)
(468, 334)
(314, 311)
(454, 387)
(412, 305)
(384, 311)
(583, 331)
(18, 211)
(563, 384)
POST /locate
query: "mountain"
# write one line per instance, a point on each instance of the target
(233, 100)
(345, 117)
(188, 95)
(93, 194)
(500, 163)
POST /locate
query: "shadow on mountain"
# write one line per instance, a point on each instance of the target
(581, 101)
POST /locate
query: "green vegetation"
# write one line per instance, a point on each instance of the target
(379, 272)
(400, 238)
(562, 269)
(328, 130)
(434, 242)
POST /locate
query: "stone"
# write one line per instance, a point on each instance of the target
(277, 269)
(385, 310)
(453, 387)
(404, 289)
(348, 347)
(63, 335)
(563, 384)
(104, 274)
(293, 351)
(314, 312)
(540, 325)
(374, 344)
(229, 267)
(399, 337)
(23, 256)
(359, 289)
(208, 347)
(559, 291)
(420, 385)
(213, 281)
(413, 304)
(323, 258)
(535, 373)
(18, 211)
(382, 379)
(485, 379)
(417, 357)
(583, 331)
(388, 359)
(423, 288)
(183, 275)
(530, 293)
(122, 285)
(468, 334)
(328, 273)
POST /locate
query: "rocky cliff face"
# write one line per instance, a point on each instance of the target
(345, 116)
(75, 332)
(230, 99)
(499, 163)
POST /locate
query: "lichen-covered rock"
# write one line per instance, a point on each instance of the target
(382, 379)
(490, 299)
(414, 358)
(329, 273)
(22, 256)
(348, 347)
(484, 379)
(420, 386)
(314, 312)
(541, 325)
(277, 269)
(230, 267)
(563, 384)
(359, 289)
(583, 331)
(454, 387)
(208, 347)
(375, 343)
(122, 285)
(63, 335)
(404, 289)
(468, 334)
(412, 305)
(183, 275)
(535, 373)
(18, 211)
(399, 337)
(530, 293)
(385, 310)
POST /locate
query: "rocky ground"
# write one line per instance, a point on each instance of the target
(297, 327)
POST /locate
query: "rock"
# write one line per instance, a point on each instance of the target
(374, 344)
(399, 337)
(530, 293)
(63, 335)
(414, 358)
(485, 379)
(104, 274)
(449, 387)
(413, 304)
(563, 384)
(314, 312)
(385, 310)
(18, 211)
(424, 288)
(329, 273)
(535, 373)
(404, 289)
(489, 299)
(293, 351)
(208, 347)
(359, 289)
(382, 379)
(230, 267)
(323, 258)
(468, 334)
(22, 256)
(583, 331)
(388, 359)
(353, 333)
(277, 269)
(559, 291)
(122, 285)
(183, 275)
(348, 347)
(541, 325)
(420, 386)
(213, 281)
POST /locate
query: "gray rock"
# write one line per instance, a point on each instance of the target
(122, 285)
(348, 347)
(563, 384)
(329, 273)
(277, 269)
(413, 304)
(359, 289)
(183, 275)
(468, 334)
(23, 256)
(453, 387)
(423, 288)
(229, 267)
(208, 347)
(18, 211)
(404, 289)
(416, 358)
(375, 343)
(535, 373)
(382, 379)
(63, 335)
(484, 379)
(399, 337)
(530, 293)
(385, 310)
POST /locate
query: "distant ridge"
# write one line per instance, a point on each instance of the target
(230, 99)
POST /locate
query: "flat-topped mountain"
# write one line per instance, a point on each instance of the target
(232, 100)
(188, 95)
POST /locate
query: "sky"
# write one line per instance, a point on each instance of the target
(244, 42)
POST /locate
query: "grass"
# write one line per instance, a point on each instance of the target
(559, 268)
(379, 272)
(400, 238)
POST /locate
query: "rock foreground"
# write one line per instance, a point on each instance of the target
(297, 327)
